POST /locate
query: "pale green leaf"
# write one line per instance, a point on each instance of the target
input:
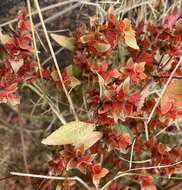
(129, 35)
(64, 41)
(86, 38)
(74, 132)
(122, 129)
(92, 139)
(102, 47)
(130, 40)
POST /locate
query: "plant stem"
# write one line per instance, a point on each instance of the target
(20, 120)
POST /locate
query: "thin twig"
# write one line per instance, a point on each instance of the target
(58, 14)
(33, 36)
(75, 178)
(163, 90)
(55, 60)
(135, 162)
(42, 95)
(20, 120)
(155, 167)
(131, 155)
(50, 57)
(127, 173)
(116, 177)
(52, 6)
(146, 130)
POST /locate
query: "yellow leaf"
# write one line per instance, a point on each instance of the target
(129, 35)
(172, 94)
(74, 132)
(64, 41)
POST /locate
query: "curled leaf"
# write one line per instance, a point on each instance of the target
(129, 35)
(86, 38)
(98, 173)
(102, 47)
(126, 85)
(64, 41)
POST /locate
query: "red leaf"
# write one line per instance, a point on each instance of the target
(113, 73)
(124, 142)
(147, 183)
(97, 173)
(147, 58)
(112, 38)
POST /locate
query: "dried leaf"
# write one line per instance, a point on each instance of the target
(129, 35)
(130, 40)
(16, 64)
(64, 41)
(74, 82)
(55, 76)
(74, 132)
(172, 94)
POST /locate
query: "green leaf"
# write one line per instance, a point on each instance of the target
(122, 129)
(64, 41)
(76, 71)
(102, 47)
(74, 132)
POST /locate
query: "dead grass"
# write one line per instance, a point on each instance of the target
(44, 110)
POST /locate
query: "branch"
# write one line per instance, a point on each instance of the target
(74, 178)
